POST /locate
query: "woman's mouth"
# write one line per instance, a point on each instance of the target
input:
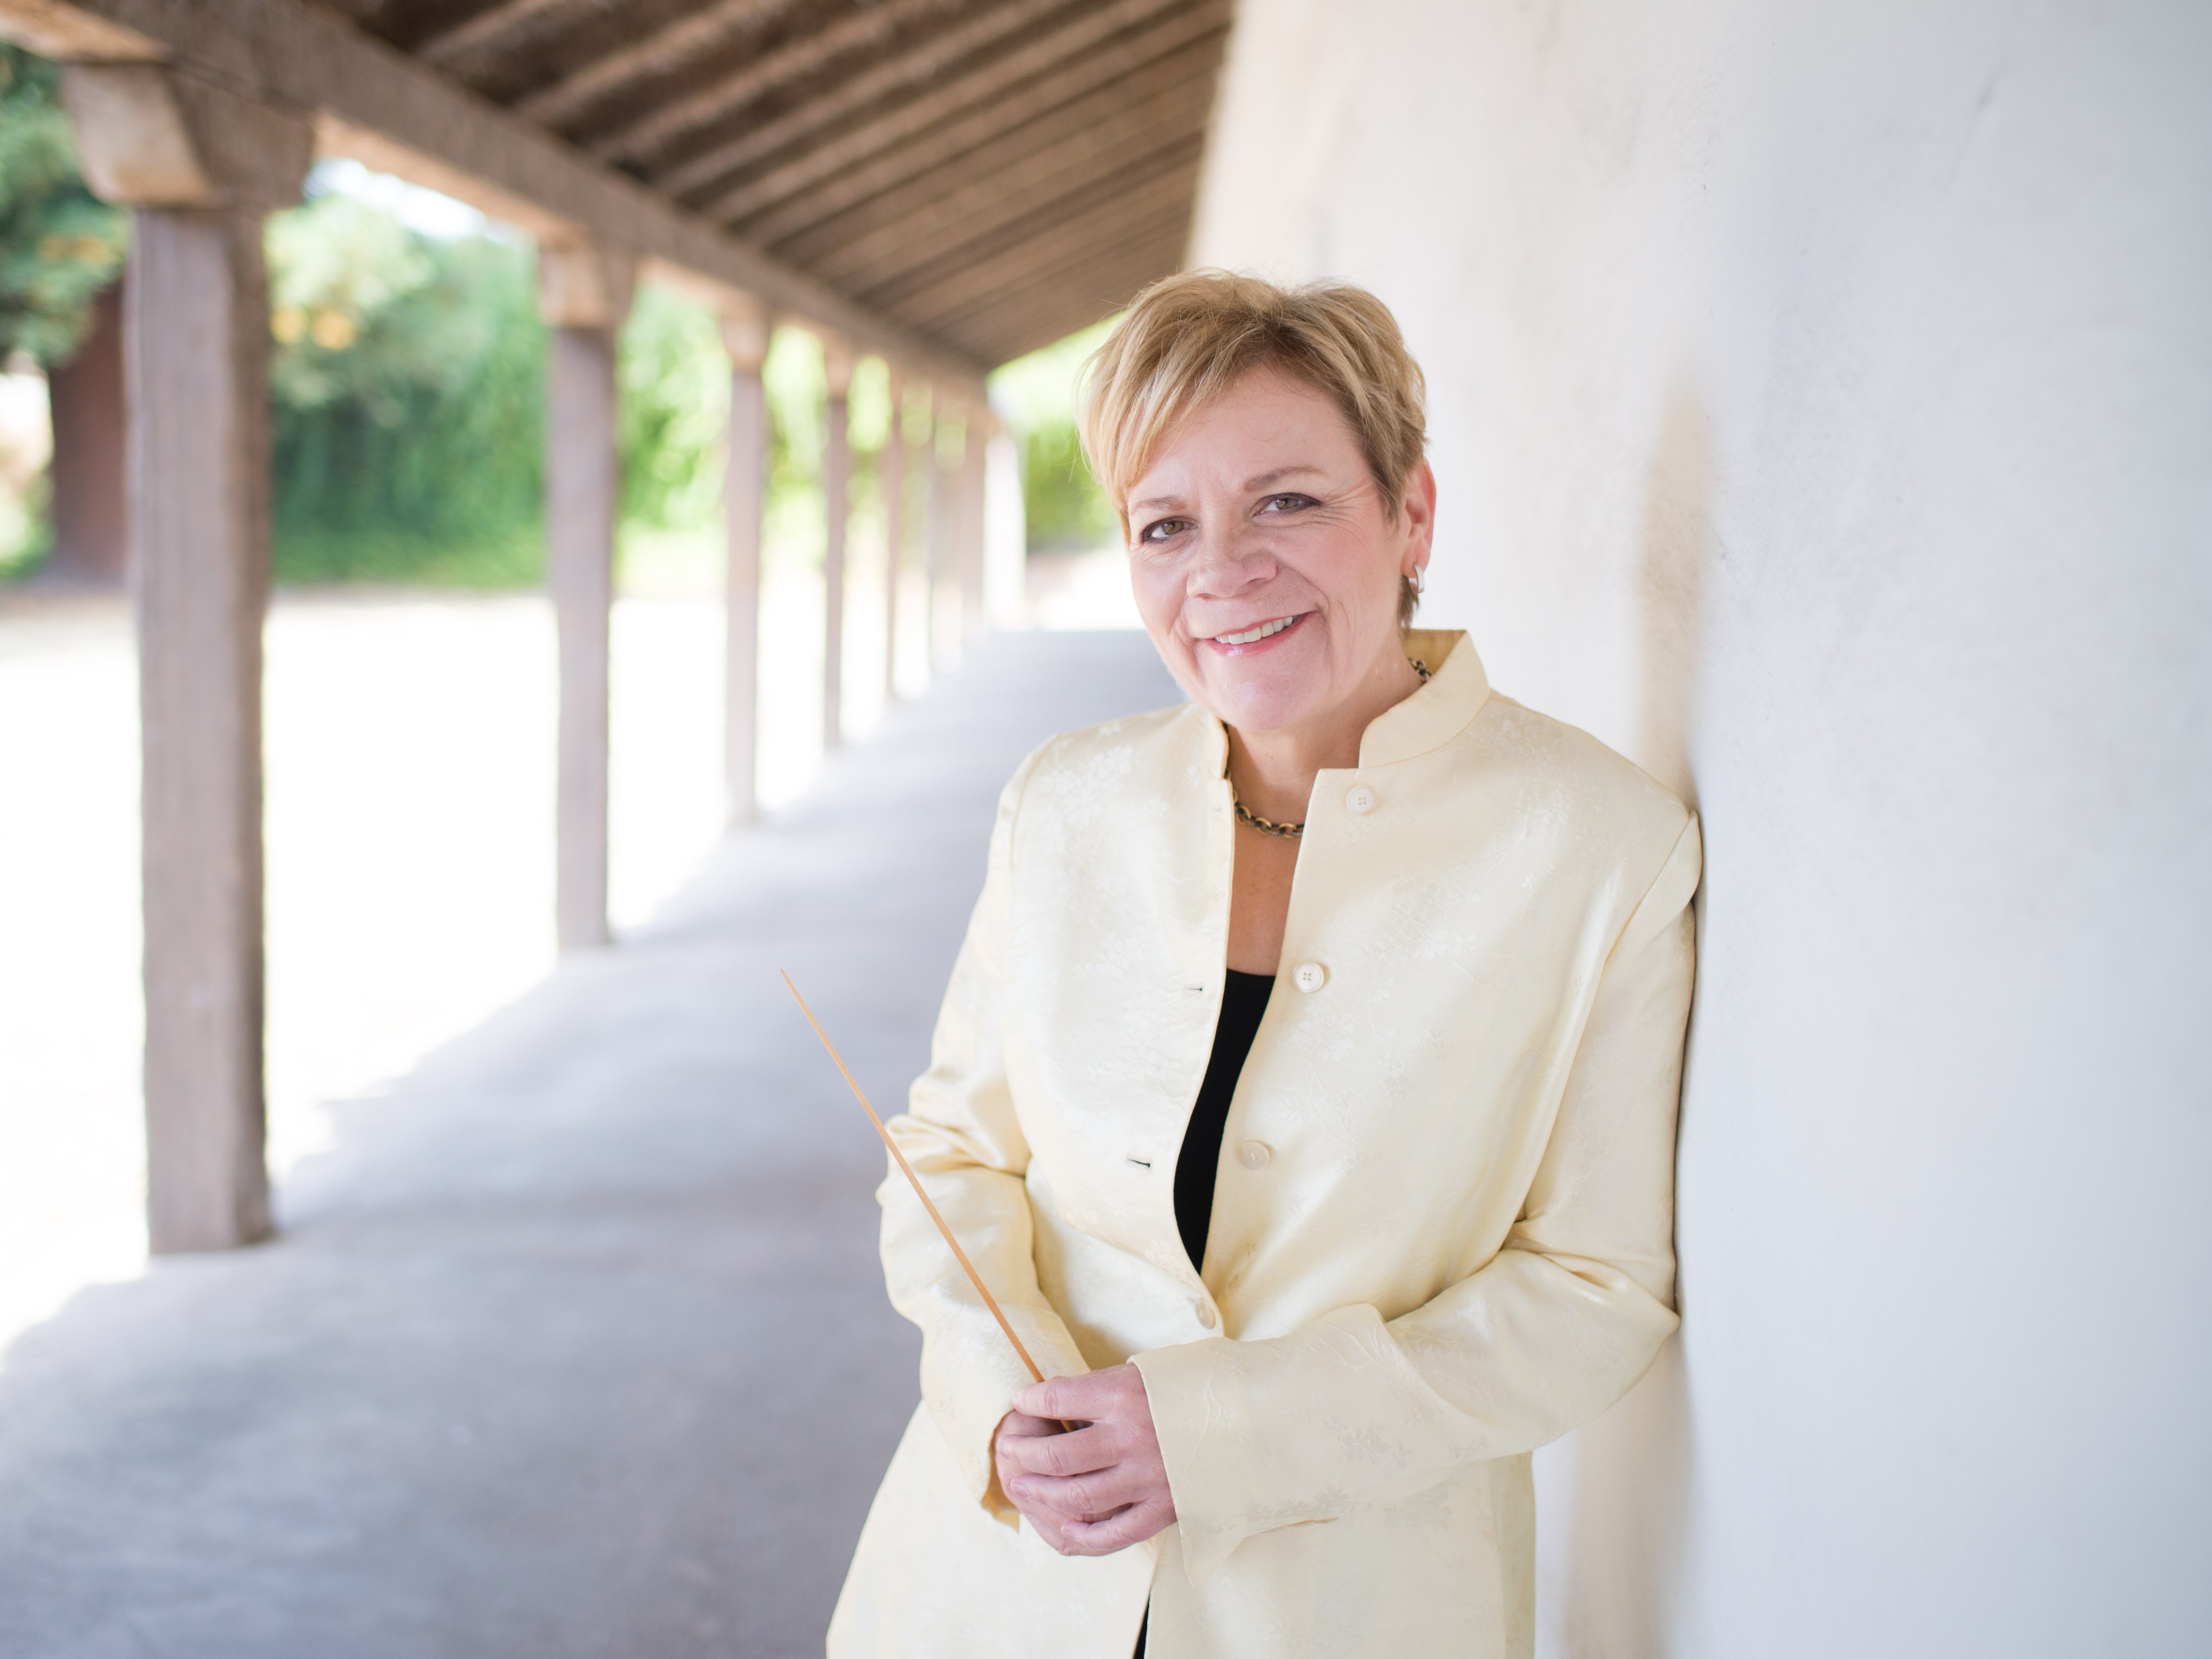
(1255, 634)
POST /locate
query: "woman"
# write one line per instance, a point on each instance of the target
(1305, 1088)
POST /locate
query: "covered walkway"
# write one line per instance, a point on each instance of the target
(575, 1344)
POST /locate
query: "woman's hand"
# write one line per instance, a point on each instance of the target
(1094, 1489)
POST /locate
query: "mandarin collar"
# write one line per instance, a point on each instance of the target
(1438, 712)
(1435, 714)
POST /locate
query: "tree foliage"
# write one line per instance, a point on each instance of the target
(59, 245)
(675, 384)
(1063, 506)
(407, 387)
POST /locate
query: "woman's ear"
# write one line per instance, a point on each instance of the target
(1419, 513)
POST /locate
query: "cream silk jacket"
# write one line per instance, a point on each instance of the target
(1441, 1219)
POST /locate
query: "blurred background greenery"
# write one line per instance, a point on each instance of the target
(407, 382)
(58, 248)
(58, 245)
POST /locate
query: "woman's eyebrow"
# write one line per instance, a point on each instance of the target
(1152, 503)
(1280, 473)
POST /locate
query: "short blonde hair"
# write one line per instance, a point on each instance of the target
(1189, 338)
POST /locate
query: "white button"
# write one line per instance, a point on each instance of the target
(1205, 1311)
(1310, 976)
(1255, 1154)
(1359, 799)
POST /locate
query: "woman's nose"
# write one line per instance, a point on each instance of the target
(1224, 569)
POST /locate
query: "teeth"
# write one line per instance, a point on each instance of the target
(1251, 635)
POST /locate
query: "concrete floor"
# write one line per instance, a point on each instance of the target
(575, 1344)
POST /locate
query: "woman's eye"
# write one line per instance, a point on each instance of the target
(1285, 504)
(1161, 529)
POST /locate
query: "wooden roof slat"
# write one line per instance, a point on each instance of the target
(422, 125)
(1026, 154)
(1026, 185)
(1020, 281)
(1091, 292)
(662, 52)
(960, 244)
(1074, 295)
(1160, 202)
(1076, 289)
(1184, 51)
(1163, 175)
(1008, 77)
(510, 19)
(865, 89)
(639, 140)
(930, 179)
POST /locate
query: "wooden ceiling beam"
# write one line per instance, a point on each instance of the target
(663, 51)
(1075, 298)
(640, 139)
(1032, 266)
(1159, 205)
(1050, 108)
(976, 243)
(1007, 242)
(1099, 46)
(489, 30)
(1084, 285)
(421, 125)
(866, 90)
(999, 335)
(1072, 164)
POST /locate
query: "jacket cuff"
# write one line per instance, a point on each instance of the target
(1291, 1430)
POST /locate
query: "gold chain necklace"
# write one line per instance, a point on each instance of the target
(1246, 816)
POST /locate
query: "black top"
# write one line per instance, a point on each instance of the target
(1243, 999)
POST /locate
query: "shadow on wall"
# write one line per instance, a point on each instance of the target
(1628, 1474)
(1678, 548)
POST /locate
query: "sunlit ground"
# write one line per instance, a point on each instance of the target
(409, 794)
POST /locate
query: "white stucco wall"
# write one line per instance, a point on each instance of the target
(1822, 401)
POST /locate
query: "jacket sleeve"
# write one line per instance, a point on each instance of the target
(1353, 1410)
(961, 1135)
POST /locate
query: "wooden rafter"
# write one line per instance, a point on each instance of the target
(1166, 180)
(495, 27)
(962, 68)
(1142, 217)
(1057, 173)
(663, 51)
(1182, 51)
(654, 133)
(295, 57)
(1089, 294)
(906, 172)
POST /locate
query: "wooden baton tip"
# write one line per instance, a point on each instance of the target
(914, 1181)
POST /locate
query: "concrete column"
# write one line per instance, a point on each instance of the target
(91, 470)
(945, 632)
(199, 166)
(891, 476)
(1006, 532)
(584, 292)
(837, 502)
(744, 498)
(974, 618)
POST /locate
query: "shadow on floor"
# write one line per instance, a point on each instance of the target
(576, 1345)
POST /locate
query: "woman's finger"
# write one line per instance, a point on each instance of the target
(1082, 1497)
(1089, 1398)
(1116, 1532)
(1020, 1425)
(1076, 1452)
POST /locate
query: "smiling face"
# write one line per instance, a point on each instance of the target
(1266, 564)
